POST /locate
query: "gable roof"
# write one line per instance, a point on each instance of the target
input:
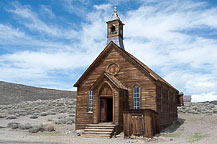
(144, 67)
(151, 72)
(111, 78)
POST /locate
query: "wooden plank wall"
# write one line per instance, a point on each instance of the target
(166, 104)
(140, 123)
(123, 106)
(129, 75)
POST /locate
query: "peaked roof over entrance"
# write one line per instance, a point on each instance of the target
(131, 58)
(111, 78)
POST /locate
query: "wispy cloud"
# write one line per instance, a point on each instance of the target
(7, 32)
(210, 96)
(46, 10)
(78, 7)
(13, 40)
(30, 20)
(45, 61)
(177, 39)
(167, 32)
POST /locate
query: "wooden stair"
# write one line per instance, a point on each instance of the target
(102, 130)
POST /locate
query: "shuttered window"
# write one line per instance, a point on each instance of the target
(136, 97)
(90, 101)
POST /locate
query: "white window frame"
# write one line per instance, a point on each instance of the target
(90, 101)
(136, 97)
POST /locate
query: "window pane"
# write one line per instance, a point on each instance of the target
(136, 96)
(90, 100)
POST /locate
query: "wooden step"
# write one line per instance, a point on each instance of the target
(102, 130)
(100, 125)
(95, 136)
(93, 127)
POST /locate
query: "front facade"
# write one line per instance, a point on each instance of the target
(116, 82)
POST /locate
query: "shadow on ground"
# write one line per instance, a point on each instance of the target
(173, 127)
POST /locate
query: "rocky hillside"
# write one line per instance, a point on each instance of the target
(36, 116)
(15, 93)
(200, 107)
(34, 109)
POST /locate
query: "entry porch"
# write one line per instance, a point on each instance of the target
(110, 99)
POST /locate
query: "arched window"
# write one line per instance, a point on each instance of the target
(136, 97)
(90, 101)
(113, 29)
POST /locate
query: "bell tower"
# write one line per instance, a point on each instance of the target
(115, 30)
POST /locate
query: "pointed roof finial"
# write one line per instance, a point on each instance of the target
(115, 10)
(115, 15)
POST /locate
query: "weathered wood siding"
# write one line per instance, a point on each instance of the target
(123, 106)
(82, 115)
(166, 104)
(129, 76)
(141, 123)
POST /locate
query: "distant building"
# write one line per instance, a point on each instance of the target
(187, 98)
(180, 99)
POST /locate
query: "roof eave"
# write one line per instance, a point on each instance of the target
(87, 70)
(168, 85)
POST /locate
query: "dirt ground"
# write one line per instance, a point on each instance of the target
(194, 128)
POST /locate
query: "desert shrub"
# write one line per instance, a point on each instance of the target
(49, 127)
(13, 125)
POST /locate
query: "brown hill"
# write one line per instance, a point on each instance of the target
(15, 93)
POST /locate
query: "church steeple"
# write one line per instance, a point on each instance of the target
(115, 30)
(115, 15)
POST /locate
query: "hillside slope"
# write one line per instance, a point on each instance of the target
(15, 93)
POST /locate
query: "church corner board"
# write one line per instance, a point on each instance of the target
(119, 90)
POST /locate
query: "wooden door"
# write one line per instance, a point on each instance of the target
(103, 110)
(105, 95)
(137, 122)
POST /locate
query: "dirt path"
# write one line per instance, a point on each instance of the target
(198, 129)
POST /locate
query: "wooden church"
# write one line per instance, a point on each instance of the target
(117, 83)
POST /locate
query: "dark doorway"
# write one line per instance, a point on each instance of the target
(106, 103)
(109, 109)
(106, 109)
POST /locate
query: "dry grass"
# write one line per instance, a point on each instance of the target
(50, 126)
(195, 137)
(170, 135)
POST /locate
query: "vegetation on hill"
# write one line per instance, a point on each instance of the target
(14, 93)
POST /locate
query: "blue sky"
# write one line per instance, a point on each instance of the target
(49, 43)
